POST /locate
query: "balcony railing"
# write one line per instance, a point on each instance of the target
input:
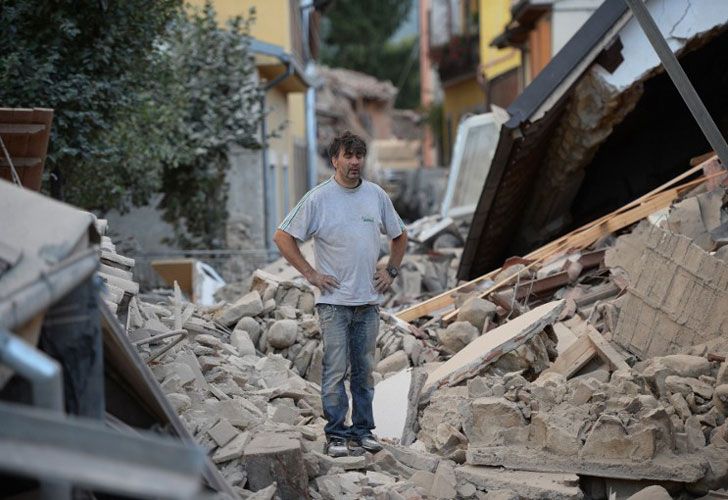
(458, 57)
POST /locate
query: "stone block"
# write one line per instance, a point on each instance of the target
(554, 486)
(270, 458)
(475, 311)
(394, 363)
(282, 333)
(494, 421)
(654, 492)
(247, 305)
(444, 482)
(232, 450)
(241, 341)
(223, 432)
(250, 325)
(457, 335)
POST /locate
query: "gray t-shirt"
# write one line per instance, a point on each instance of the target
(345, 225)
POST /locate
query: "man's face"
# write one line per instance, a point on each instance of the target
(348, 164)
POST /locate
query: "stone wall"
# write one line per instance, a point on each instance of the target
(677, 295)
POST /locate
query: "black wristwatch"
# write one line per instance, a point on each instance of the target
(393, 271)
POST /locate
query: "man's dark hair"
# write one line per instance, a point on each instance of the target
(351, 143)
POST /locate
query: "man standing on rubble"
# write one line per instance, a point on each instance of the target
(345, 215)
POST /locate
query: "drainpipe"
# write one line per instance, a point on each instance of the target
(271, 216)
(46, 380)
(311, 158)
(43, 372)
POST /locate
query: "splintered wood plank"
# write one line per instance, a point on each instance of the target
(487, 348)
(605, 350)
(574, 358)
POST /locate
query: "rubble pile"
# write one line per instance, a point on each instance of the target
(116, 272)
(536, 385)
(259, 419)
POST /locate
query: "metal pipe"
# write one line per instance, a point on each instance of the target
(680, 79)
(46, 379)
(28, 301)
(311, 156)
(268, 186)
(43, 372)
(311, 159)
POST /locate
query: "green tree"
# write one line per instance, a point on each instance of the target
(91, 62)
(147, 100)
(356, 34)
(219, 99)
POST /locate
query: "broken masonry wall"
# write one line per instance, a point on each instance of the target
(677, 295)
(605, 98)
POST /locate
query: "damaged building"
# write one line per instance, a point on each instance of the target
(601, 125)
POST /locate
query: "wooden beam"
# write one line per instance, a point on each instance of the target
(605, 350)
(21, 162)
(578, 238)
(21, 128)
(574, 358)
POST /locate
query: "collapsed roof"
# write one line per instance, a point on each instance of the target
(600, 125)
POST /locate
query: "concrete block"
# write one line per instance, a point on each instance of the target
(457, 335)
(223, 432)
(272, 458)
(247, 305)
(394, 363)
(234, 449)
(554, 486)
(283, 333)
(494, 421)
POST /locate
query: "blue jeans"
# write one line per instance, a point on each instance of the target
(350, 336)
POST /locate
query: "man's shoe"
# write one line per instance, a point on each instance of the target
(336, 447)
(355, 449)
(370, 444)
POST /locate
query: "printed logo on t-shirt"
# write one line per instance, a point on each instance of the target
(366, 218)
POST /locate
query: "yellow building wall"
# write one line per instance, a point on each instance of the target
(458, 99)
(272, 24)
(494, 16)
(272, 18)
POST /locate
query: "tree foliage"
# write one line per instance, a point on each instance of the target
(90, 61)
(220, 104)
(147, 99)
(356, 35)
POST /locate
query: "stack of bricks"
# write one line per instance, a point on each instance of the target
(677, 295)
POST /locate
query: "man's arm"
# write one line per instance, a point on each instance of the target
(397, 247)
(290, 251)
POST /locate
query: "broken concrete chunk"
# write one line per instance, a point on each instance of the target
(444, 482)
(240, 339)
(180, 402)
(223, 432)
(247, 305)
(686, 386)
(415, 459)
(720, 399)
(249, 325)
(489, 347)
(232, 450)
(422, 479)
(282, 333)
(684, 365)
(494, 421)
(654, 492)
(457, 335)
(554, 486)
(272, 458)
(394, 363)
(475, 311)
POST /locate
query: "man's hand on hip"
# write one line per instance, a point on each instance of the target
(325, 282)
(382, 280)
